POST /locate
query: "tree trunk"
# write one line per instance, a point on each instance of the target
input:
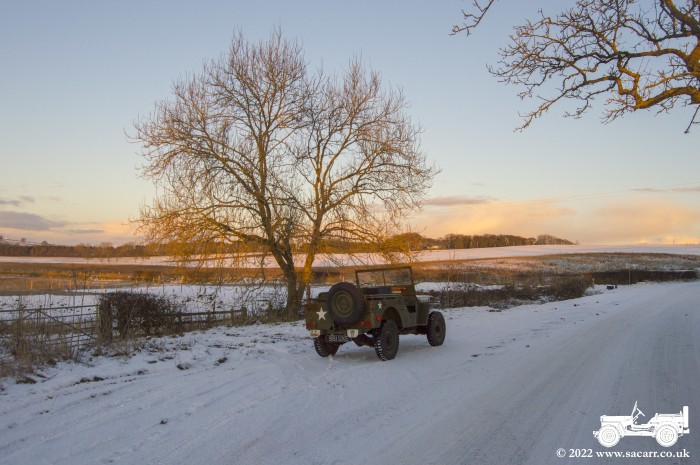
(286, 263)
(294, 296)
(296, 286)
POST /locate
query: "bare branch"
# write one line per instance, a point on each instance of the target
(641, 54)
(693, 120)
(472, 20)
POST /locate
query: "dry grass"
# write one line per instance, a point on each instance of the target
(501, 297)
(535, 271)
(39, 278)
(34, 337)
(31, 344)
(546, 278)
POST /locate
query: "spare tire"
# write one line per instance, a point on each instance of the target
(346, 304)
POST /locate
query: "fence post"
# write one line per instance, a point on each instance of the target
(104, 318)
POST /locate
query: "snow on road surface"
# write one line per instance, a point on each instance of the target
(507, 387)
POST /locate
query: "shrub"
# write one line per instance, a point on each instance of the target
(633, 276)
(466, 295)
(570, 287)
(137, 312)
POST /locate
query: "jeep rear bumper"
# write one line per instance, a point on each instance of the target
(347, 334)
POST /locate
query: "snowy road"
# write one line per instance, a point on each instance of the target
(551, 396)
(506, 388)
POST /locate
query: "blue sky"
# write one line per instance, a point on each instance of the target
(75, 75)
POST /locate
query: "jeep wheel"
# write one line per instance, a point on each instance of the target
(386, 341)
(666, 435)
(325, 348)
(436, 329)
(608, 436)
(346, 304)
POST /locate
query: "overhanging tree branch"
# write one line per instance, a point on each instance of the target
(641, 54)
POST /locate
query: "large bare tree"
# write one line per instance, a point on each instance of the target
(256, 150)
(636, 54)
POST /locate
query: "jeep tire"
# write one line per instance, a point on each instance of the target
(325, 348)
(436, 329)
(386, 341)
(608, 436)
(666, 435)
(345, 303)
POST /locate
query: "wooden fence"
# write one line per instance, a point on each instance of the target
(67, 331)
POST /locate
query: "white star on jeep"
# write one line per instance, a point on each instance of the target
(379, 305)
(321, 314)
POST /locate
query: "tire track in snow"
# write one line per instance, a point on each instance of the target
(555, 399)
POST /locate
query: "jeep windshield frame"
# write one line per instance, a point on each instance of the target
(384, 277)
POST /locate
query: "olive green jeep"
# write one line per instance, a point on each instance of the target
(373, 311)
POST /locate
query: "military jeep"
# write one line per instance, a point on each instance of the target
(373, 311)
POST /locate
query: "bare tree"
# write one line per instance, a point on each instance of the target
(637, 54)
(257, 151)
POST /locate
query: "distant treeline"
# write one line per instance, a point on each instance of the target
(81, 250)
(402, 242)
(462, 241)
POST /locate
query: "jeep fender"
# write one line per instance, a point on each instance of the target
(618, 426)
(393, 315)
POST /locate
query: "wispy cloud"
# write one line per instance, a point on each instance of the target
(627, 220)
(28, 221)
(648, 220)
(10, 202)
(656, 190)
(457, 200)
(497, 218)
(687, 189)
(17, 202)
(37, 228)
(86, 231)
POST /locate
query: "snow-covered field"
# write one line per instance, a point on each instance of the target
(423, 256)
(194, 298)
(507, 388)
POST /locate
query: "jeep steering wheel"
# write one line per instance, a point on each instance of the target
(637, 409)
